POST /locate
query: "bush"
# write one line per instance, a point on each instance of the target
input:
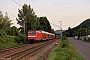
(88, 39)
(13, 31)
(3, 34)
(21, 39)
(64, 38)
(64, 44)
(80, 38)
(6, 42)
(84, 38)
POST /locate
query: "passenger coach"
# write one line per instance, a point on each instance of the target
(35, 35)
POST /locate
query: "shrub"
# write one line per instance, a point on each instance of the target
(6, 42)
(21, 39)
(80, 38)
(64, 38)
(64, 44)
(84, 38)
(88, 39)
(3, 34)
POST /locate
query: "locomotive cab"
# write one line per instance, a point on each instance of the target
(31, 35)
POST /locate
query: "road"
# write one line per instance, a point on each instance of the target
(82, 46)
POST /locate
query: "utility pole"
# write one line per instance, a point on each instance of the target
(24, 27)
(61, 28)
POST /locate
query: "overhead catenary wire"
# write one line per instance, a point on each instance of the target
(55, 25)
(17, 3)
(9, 13)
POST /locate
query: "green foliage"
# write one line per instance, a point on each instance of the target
(85, 38)
(52, 31)
(65, 51)
(80, 30)
(21, 39)
(52, 54)
(8, 44)
(64, 38)
(26, 16)
(7, 41)
(38, 26)
(45, 25)
(2, 33)
(5, 22)
(85, 23)
(13, 31)
(65, 44)
(88, 39)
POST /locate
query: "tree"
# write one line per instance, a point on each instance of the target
(52, 31)
(13, 31)
(45, 25)
(5, 22)
(38, 26)
(26, 16)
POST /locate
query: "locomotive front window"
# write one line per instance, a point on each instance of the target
(32, 32)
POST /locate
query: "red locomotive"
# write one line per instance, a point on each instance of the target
(35, 35)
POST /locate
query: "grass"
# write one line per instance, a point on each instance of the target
(6, 42)
(65, 51)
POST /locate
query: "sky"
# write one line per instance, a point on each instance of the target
(70, 12)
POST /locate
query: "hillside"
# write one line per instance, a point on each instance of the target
(85, 23)
(82, 29)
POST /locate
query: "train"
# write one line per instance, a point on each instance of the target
(39, 35)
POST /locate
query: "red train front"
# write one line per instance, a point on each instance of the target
(34, 35)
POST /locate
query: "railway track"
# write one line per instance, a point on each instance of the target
(7, 51)
(25, 51)
(12, 50)
(16, 47)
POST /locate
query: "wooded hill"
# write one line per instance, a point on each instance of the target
(82, 29)
(85, 23)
